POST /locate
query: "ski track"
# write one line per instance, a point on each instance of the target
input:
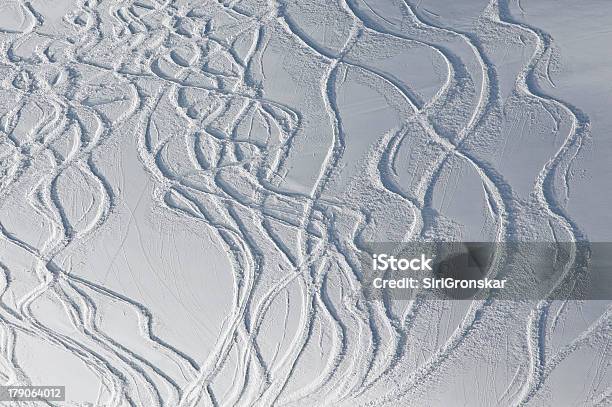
(242, 198)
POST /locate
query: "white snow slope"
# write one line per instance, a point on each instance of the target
(185, 186)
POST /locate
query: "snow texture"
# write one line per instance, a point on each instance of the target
(185, 187)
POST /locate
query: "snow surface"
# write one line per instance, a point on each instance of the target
(185, 187)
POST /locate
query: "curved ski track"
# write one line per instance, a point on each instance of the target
(152, 54)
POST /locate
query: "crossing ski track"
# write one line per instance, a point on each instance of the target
(215, 110)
